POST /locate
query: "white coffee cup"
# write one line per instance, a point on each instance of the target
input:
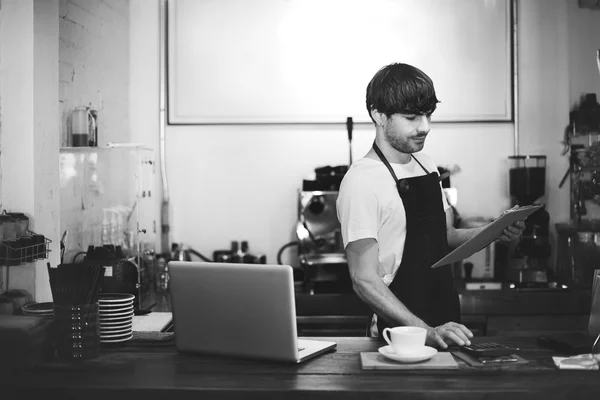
(405, 339)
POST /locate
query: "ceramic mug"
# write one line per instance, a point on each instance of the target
(405, 339)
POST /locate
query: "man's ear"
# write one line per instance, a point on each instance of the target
(379, 118)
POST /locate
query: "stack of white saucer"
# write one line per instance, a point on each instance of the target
(116, 317)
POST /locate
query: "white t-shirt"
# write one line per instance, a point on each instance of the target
(369, 206)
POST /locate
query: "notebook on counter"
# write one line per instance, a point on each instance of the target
(153, 322)
(238, 310)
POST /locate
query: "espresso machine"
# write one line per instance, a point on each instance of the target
(528, 258)
(320, 248)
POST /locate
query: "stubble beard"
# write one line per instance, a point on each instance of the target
(400, 144)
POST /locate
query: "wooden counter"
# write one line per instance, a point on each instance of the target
(152, 372)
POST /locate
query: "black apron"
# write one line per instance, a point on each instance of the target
(427, 292)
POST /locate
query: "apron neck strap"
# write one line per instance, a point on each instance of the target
(384, 160)
(387, 164)
(421, 165)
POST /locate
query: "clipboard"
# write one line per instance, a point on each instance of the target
(488, 234)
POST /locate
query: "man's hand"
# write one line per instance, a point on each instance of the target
(512, 232)
(450, 332)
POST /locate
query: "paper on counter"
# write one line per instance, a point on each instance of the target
(578, 362)
(153, 322)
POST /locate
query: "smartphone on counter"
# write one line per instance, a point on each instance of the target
(488, 349)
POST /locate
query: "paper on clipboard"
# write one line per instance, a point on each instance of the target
(488, 234)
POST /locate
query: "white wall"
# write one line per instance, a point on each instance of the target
(29, 162)
(543, 96)
(240, 182)
(144, 91)
(584, 42)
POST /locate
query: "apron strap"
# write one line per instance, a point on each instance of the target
(389, 167)
(424, 169)
(384, 160)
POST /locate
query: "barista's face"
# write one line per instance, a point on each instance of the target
(406, 132)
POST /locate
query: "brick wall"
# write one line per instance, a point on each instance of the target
(94, 65)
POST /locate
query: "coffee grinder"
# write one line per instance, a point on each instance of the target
(530, 254)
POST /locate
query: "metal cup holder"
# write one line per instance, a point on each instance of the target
(25, 249)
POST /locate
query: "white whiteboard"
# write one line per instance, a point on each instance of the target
(309, 61)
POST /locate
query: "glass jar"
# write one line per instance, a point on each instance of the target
(22, 223)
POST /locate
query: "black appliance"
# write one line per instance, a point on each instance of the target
(529, 265)
(123, 275)
(327, 178)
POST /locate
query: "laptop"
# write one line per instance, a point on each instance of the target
(238, 310)
(570, 343)
(578, 342)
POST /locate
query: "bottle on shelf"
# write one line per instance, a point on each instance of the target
(243, 251)
(119, 234)
(114, 228)
(235, 252)
(247, 257)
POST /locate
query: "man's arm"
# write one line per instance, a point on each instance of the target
(456, 237)
(363, 261)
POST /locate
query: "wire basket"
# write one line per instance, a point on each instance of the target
(25, 249)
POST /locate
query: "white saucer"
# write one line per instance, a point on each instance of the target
(102, 304)
(115, 297)
(116, 322)
(112, 328)
(422, 354)
(115, 334)
(117, 340)
(121, 314)
(113, 311)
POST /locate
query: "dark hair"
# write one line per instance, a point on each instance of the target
(401, 88)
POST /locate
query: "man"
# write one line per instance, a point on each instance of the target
(395, 219)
